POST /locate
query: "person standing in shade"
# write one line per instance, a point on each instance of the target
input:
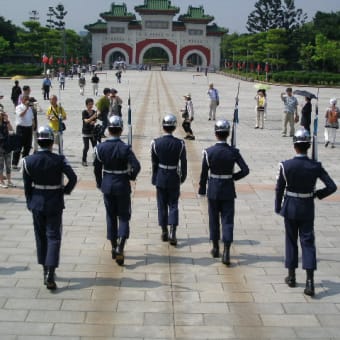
(332, 122)
(24, 118)
(44, 190)
(115, 165)
(214, 101)
(294, 200)
(218, 170)
(290, 114)
(169, 171)
(16, 92)
(306, 114)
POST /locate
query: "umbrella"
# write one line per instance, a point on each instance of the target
(262, 86)
(305, 94)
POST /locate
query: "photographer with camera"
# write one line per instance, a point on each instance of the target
(24, 117)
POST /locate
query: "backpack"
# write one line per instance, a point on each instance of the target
(333, 116)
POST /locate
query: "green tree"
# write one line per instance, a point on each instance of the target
(8, 31)
(275, 46)
(59, 15)
(50, 16)
(271, 14)
(306, 54)
(327, 52)
(4, 45)
(328, 24)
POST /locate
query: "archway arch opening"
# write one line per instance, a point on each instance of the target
(156, 56)
(194, 60)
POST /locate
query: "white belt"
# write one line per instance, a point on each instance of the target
(221, 176)
(116, 172)
(296, 194)
(47, 187)
(167, 167)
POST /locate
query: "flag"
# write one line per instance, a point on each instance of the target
(50, 61)
(258, 67)
(45, 59)
(266, 68)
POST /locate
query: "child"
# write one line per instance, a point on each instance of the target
(260, 108)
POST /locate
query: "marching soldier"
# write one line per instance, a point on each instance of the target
(43, 176)
(115, 165)
(295, 193)
(169, 170)
(217, 168)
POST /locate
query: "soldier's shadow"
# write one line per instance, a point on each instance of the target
(168, 259)
(12, 270)
(85, 283)
(330, 289)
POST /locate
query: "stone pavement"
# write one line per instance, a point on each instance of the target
(164, 292)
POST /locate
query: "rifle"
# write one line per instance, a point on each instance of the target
(315, 130)
(235, 119)
(129, 121)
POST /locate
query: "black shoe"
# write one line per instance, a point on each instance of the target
(165, 234)
(50, 280)
(172, 237)
(215, 251)
(309, 290)
(226, 254)
(113, 251)
(326, 144)
(45, 274)
(290, 281)
(120, 252)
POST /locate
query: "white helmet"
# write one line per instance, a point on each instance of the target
(333, 101)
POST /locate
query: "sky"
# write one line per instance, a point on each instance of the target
(230, 14)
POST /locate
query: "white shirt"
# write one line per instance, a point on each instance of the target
(26, 119)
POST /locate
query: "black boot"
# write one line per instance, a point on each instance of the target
(309, 290)
(165, 234)
(215, 251)
(172, 238)
(120, 252)
(113, 251)
(291, 279)
(226, 253)
(50, 280)
(45, 268)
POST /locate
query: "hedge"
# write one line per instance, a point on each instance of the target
(9, 70)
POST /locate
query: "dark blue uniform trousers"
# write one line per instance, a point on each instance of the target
(167, 203)
(227, 211)
(304, 229)
(48, 231)
(118, 209)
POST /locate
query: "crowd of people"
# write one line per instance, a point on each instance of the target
(115, 165)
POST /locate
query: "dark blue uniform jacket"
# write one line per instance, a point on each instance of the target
(115, 155)
(299, 175)
(220, 159)
(46, 168)
(169, 151)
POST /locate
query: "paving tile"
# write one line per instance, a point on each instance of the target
(164, 292)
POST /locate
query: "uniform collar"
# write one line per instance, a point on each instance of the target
(300, 155)
(113, 138)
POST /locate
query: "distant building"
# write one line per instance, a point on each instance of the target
(188, 42)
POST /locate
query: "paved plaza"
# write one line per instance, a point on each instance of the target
(164, 292)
